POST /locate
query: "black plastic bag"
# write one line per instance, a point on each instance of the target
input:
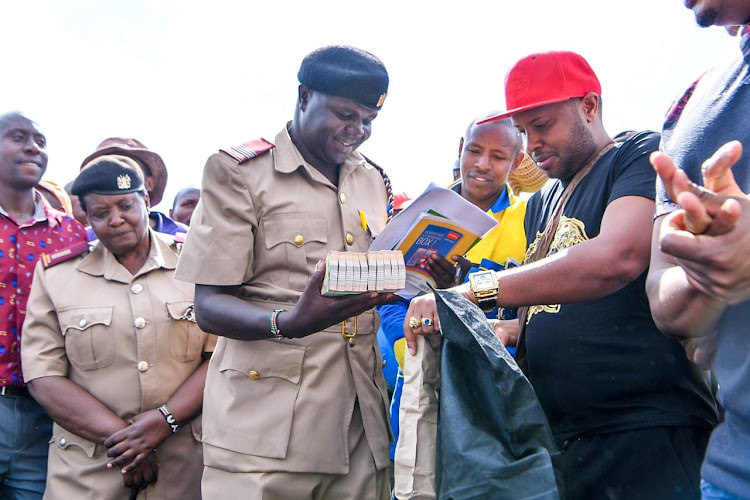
(494, 441)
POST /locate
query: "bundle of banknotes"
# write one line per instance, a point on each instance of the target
(357, 272)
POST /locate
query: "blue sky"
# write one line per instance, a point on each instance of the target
(187, 78)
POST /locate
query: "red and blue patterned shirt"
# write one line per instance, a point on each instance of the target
(48, 231)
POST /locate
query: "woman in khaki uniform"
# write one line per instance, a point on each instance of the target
(112, 352)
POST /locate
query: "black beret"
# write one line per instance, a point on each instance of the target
(346, 72)
(109, 174)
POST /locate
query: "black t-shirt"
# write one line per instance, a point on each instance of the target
(603, 366)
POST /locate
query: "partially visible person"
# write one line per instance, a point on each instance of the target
(605, 376)
(184, 204)
(457, 170)
(526, 179)
(30, 230)
(487, 154)
(75, 205)
(699, 282)
(394, 378)
(56, 196)
(296, 403)
(120, 364)
(390, 364)
(154, 172)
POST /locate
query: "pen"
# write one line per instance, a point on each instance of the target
(363, 220)
(457, 275)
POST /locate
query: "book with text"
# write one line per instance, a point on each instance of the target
(439, 221)
(431, 234)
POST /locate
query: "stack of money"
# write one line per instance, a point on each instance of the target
(356, 272)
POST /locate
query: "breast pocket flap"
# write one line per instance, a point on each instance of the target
(297, 229)
(181, 310)
(83, 318)
(263, 359)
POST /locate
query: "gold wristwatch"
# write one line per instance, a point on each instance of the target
(484, 286)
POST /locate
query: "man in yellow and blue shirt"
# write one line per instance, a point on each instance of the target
(488, 153)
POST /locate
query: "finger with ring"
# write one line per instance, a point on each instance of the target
(414, 322)
(427, 321)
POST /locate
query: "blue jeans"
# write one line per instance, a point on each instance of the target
(711, 492)
(25, 431)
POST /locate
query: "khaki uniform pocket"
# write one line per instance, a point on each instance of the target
(298, 241)
(249, 403)
(185, 338)
(68, 441)
(89, 342)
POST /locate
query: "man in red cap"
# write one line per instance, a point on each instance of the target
(630, 413)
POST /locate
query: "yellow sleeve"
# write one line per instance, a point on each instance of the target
(399, 347)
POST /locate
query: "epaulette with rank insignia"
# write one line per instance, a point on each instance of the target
(249, 149)
(387, 182)
(52, 259)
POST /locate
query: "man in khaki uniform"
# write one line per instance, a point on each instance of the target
(295, 403)
(103, 359)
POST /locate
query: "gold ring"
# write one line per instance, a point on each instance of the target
(414, 323)
(427, 321)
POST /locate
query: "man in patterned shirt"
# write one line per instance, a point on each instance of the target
(29, 227)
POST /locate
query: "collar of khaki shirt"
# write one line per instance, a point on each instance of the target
(102, 262)
(287, 159)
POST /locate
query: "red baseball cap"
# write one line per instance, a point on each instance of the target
(546, 78)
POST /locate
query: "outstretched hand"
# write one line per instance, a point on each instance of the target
(422, 317)
(709, 209)
(710, 236)
(315, 312)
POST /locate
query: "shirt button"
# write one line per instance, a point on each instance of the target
(349, 239)
(299, 239)
(82, 323)
(254, 375)
(137, 288)
(143, 366)
(342, 198)
(139, 322)
(62, 441)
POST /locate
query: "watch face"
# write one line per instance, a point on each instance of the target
(483, 280)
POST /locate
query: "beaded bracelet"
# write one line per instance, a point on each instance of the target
(274, 325)
(171, 421)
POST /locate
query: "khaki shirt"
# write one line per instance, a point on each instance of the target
(264, 224)
(124, 339)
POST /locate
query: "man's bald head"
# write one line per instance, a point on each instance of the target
(505, 123)
(184, 204)
(14, 117)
